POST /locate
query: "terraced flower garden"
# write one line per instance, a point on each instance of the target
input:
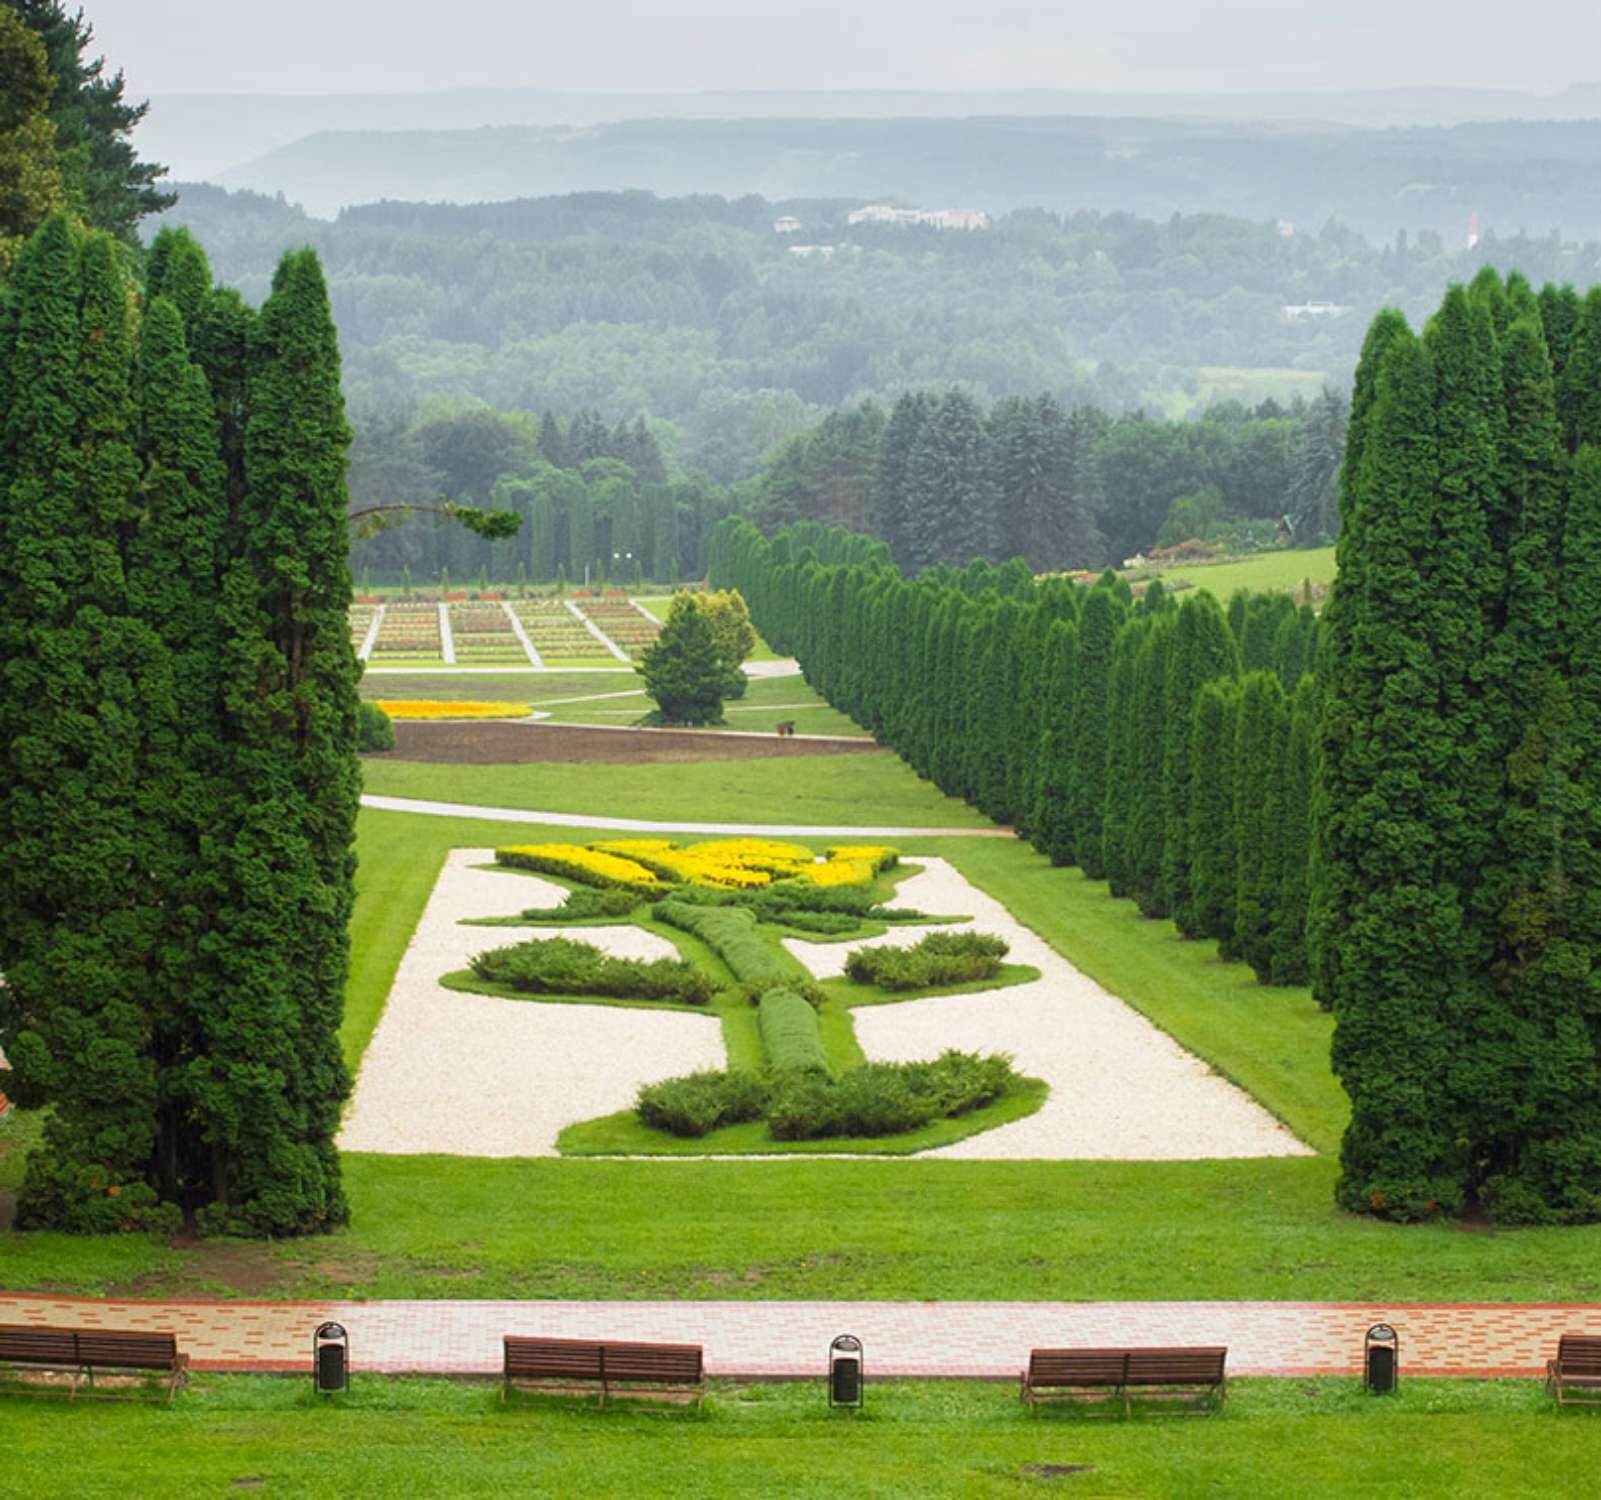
(410, 633)
(623, 622)
(560, 639)
(483, 635)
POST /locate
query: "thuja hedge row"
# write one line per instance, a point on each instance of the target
(1446, 750)
(1082, 716)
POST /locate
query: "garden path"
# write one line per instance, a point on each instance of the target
(1121, 1089)
(473, 1075)
(779, 1340)
(645, 825)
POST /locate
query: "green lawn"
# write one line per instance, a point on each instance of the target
(1274, 1438)
(1266, 572)
(448, 1227)
(819, 790)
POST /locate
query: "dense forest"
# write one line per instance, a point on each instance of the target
(937, 476)
(696, 314)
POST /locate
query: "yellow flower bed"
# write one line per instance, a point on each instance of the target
(425, 708)
(586, 866)
(880, 856)
(728, 864)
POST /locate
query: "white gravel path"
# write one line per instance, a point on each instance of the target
(471, 1075)
(1121, 1089)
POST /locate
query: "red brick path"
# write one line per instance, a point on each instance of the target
(778, 1339)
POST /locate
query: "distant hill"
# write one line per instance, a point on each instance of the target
(204, 135)
(1537, 177)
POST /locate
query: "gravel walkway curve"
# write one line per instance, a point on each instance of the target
(645, 825)
(471, 1075)
(1121, 1089)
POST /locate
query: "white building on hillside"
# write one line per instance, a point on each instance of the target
(938, 218)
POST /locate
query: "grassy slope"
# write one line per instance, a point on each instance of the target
(393, 1437)
(446, 1227)
(818, 790)
(1266, 571)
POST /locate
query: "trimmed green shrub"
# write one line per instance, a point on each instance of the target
(731, 932)
(584, 904)
(374, 731)
(940, 958)
(788, 1024)
(565, 966)
(698, 1103)
(881, 1099)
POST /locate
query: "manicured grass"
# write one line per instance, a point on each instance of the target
(451, 1227)
(767, 701)
(1264, 572)
(1273, 1438)
(819, 790)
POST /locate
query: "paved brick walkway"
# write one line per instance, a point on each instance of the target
(774, 1340)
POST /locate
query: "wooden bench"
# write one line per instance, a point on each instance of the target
(1574, 1376)
(1195, 1376)
(572, 1367)
(79, 1352)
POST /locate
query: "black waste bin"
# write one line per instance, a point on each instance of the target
(1381, 1359)
(330, 1359)
(845, 1371)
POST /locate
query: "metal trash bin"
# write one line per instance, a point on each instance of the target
(330, 1359)
(846, 1372)
(1381, 1359)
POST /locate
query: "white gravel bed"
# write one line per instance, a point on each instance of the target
(1121, 1089)
(470, 1075)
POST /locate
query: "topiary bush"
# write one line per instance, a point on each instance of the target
(940, 958)
(374, 731)
(698, 1103)
(565, 966)
(584, 904)
(730, 931)
(788, 1026)
(880, 1099)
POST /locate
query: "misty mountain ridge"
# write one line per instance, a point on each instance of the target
(1539, 176)
(204, 135)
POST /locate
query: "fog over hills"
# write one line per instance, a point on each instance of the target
(1536, 177)
(202, 136)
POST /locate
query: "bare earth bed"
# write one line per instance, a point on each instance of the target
(498, 743)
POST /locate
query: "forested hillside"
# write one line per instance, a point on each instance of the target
(697, 315)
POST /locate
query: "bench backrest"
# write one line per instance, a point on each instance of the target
(1203, 1366)
(1199, 1366)
(1579, 1354)
(138, 1351)
(42, 1346)
(1077, 1366)
(580, 1359)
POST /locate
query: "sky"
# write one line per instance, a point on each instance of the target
(684, 46)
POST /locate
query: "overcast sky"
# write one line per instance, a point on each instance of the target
(400, 46)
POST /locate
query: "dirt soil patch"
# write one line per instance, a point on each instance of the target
(457, 743)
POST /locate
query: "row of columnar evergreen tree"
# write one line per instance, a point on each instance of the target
(1163, 746)
(1402, 800)
(178, 782)
(1457, 884)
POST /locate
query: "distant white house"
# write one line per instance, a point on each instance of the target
(1286, 229)
(1304, 312)
(938, 218)
(809, 252)
(786, 225)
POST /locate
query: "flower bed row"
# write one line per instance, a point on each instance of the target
(482, 632)
(409, 629)
(726, 864)
(430, 708)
